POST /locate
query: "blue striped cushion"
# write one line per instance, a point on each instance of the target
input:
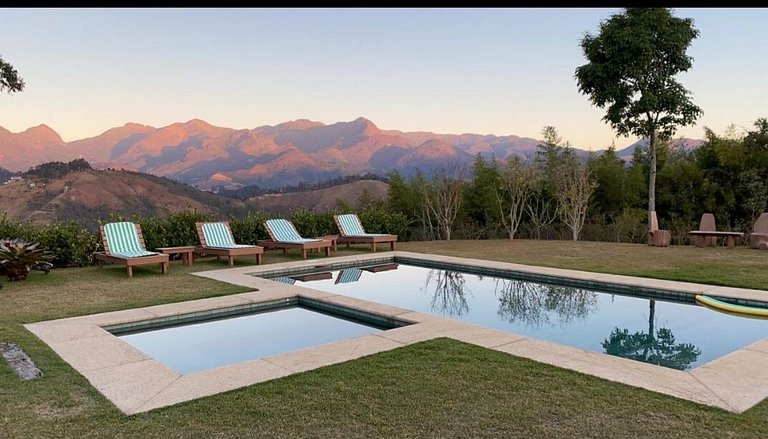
(283, 231)
(219, 235)
(123, 240)
(285, 280)
(351, 226)
(349, 275)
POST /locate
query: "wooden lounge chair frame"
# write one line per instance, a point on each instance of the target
(274, 243)
(230, 253)
(129, 262)
(371, 239)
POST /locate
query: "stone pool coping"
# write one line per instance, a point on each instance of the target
(136, 383)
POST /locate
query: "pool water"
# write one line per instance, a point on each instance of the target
(209, 344)
(679, 335)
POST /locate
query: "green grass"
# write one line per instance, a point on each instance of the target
(439, 388)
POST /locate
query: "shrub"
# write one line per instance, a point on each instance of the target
(310, 224)
(17, 257)
(249, 229)
(174, 230)
(379, 219)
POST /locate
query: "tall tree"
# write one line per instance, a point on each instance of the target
(631, 70)
(10, 81)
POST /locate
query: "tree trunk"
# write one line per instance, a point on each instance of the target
(652, 178)
(651, 316)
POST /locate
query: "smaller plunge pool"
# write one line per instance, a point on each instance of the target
(199, 341)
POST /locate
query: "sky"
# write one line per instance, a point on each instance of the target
(507, 71)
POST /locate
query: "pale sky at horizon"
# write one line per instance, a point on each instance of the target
(484, 71)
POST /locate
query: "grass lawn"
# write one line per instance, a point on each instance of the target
(438, 388)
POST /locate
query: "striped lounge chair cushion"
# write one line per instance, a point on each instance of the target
(219, 235)
(123, 240)
(351, 226)
(283, 231)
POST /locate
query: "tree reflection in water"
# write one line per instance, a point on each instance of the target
(534, 303)
(655, 346)
(449, 297)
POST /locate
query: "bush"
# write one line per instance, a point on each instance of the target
(379, 219)
(311, 224)
(17, 257)
(175, 230)
(69, 243)
(249, 229)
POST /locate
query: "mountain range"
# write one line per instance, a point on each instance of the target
(210, 157)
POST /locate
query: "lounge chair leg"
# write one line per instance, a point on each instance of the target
(285, 251)
(164, 267)
(392, 245)
(231, 261)
(303, 253)
(258, 259)
(130, 271)
(327, 251)
(373, 247)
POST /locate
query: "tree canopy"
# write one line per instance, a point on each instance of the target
(10, 81)
(631, 69)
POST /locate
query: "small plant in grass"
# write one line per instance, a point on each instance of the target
(18, 257)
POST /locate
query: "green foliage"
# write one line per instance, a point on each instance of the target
(377, 218)
(249, 229)
(480, 205)
(175, 230)
(10, 81)
(17, 257)
(69, 243)
(53, 170)
(311, 224)
(631, 70)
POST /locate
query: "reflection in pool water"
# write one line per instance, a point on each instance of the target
(672, 334)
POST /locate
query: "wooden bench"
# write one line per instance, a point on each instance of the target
(730, 236)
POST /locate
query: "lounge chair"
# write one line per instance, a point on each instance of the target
(759, 235)
(216, 239)
(352, 232)
(656, 237)
(283, 235)
(124, 245)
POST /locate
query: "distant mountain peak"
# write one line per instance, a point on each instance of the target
(299, 124)
(43, 132)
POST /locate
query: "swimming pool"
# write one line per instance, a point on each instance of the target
(673, 333)
(199, 341)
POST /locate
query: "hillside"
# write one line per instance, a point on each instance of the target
(321, 199)
(92, 195)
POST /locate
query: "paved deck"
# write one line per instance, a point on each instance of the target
(136, 383)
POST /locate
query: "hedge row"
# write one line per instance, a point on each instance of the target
(73, 245)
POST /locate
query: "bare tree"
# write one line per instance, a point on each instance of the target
(442, 195)
(518, 184)
(541, 212)
(450, 294)
(573, 190)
